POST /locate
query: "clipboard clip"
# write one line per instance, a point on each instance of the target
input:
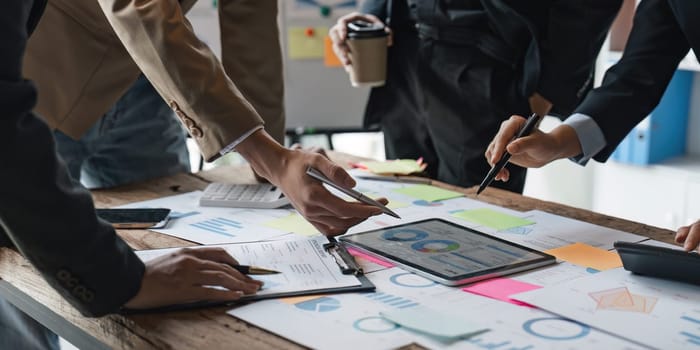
(345, 261)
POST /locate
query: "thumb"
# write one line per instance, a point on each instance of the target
(522, 145)
(334, 172)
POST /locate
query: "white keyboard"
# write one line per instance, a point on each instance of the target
(263, 196)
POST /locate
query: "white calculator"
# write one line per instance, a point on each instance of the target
(264, 196)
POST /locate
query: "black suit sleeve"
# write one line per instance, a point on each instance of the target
(634, 86)
(376, 7)
(575, 32)
(48, 218)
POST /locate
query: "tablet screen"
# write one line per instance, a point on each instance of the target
(445, 249)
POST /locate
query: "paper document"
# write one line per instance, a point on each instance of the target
(353, 320)
(303, 263)
(212, 225)
(439, 324)
(654, 312)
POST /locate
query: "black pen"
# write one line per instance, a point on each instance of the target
(352, 193)
(526, 130)
(253, 270)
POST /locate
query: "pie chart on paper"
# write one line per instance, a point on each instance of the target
(323, 304)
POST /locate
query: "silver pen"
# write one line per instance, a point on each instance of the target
(350, 192)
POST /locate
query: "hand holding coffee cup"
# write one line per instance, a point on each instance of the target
(360, 42)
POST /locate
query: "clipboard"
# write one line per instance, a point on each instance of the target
(345, 262)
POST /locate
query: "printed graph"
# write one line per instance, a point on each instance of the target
(691, 337)
(323, 304)
(221, 226)
(392, 300)
(374, 324)
(621, 299)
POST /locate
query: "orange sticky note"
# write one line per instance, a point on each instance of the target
(329, 57)
(587, 256)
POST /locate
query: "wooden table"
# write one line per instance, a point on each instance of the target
(210, 328)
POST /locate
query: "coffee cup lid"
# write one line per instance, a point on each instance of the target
(364, 29)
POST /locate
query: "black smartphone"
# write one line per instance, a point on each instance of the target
(136, 218)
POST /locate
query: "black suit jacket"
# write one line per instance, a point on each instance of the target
(43, 213)
(566, 36)
(663, 33)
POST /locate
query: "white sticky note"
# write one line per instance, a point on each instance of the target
(434, 323)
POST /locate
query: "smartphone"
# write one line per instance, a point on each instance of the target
(136, 218)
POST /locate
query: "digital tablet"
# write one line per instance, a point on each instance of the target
(674, 264)
(446, 252)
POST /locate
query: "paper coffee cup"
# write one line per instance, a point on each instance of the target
(368, 47)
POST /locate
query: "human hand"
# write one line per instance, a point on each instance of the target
(689, 236)
(286, 168)
(339, 33)
(189, 275)
(534, 150)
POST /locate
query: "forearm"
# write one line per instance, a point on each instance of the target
(183, 70)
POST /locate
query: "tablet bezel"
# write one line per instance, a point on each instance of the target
(543, 259)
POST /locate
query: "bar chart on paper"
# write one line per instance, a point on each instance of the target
(220, 226)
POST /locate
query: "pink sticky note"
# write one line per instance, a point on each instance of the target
(501, 289)
(368, 257)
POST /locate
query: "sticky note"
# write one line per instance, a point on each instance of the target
(306, 42)
(587, 256)
(501, 289)
(293, 223)
(433, 322)
(358, 254)
(398, 166)
(491, 218)
(329, 57)
(428, 193)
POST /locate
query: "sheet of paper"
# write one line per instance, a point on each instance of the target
(306, 42)
(492, 218)
(553, 231)
(501, 289)
(584, 255)
(428, 193)
(303, 263)
(397, 166)
(440, 324)
(552, 275)
(212, 225)
(353, 320)
(655, 312)
(293, 223)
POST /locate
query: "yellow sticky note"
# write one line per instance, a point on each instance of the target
(306, 42)
(398, 166)
(293, 223)
(428, 193)
(587, 256)
(491, 218)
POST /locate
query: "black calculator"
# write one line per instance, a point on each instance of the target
(673, 264)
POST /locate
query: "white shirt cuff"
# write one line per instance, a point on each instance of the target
(589, 135)
(235, 143)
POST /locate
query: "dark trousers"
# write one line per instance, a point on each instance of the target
(445, 103)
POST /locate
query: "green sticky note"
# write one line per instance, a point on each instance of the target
(306, 43)
(433, 322)
(293, 223)
(491, 218)
(428, 193)
(398, 166)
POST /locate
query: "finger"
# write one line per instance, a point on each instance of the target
(489, 153)
(693, 239)
(342, 23)
(503, 175)
(335, 230)
(334, 206)
(217, 254)
(333, 171)
(682, 234)
(523, 145)
(222, 279)
(508, 130)
(340, 49)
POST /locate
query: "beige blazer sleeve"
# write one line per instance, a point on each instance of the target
(184, 71)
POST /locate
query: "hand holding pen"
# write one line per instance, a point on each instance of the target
(532, 151)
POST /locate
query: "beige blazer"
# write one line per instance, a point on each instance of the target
(80, 58)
